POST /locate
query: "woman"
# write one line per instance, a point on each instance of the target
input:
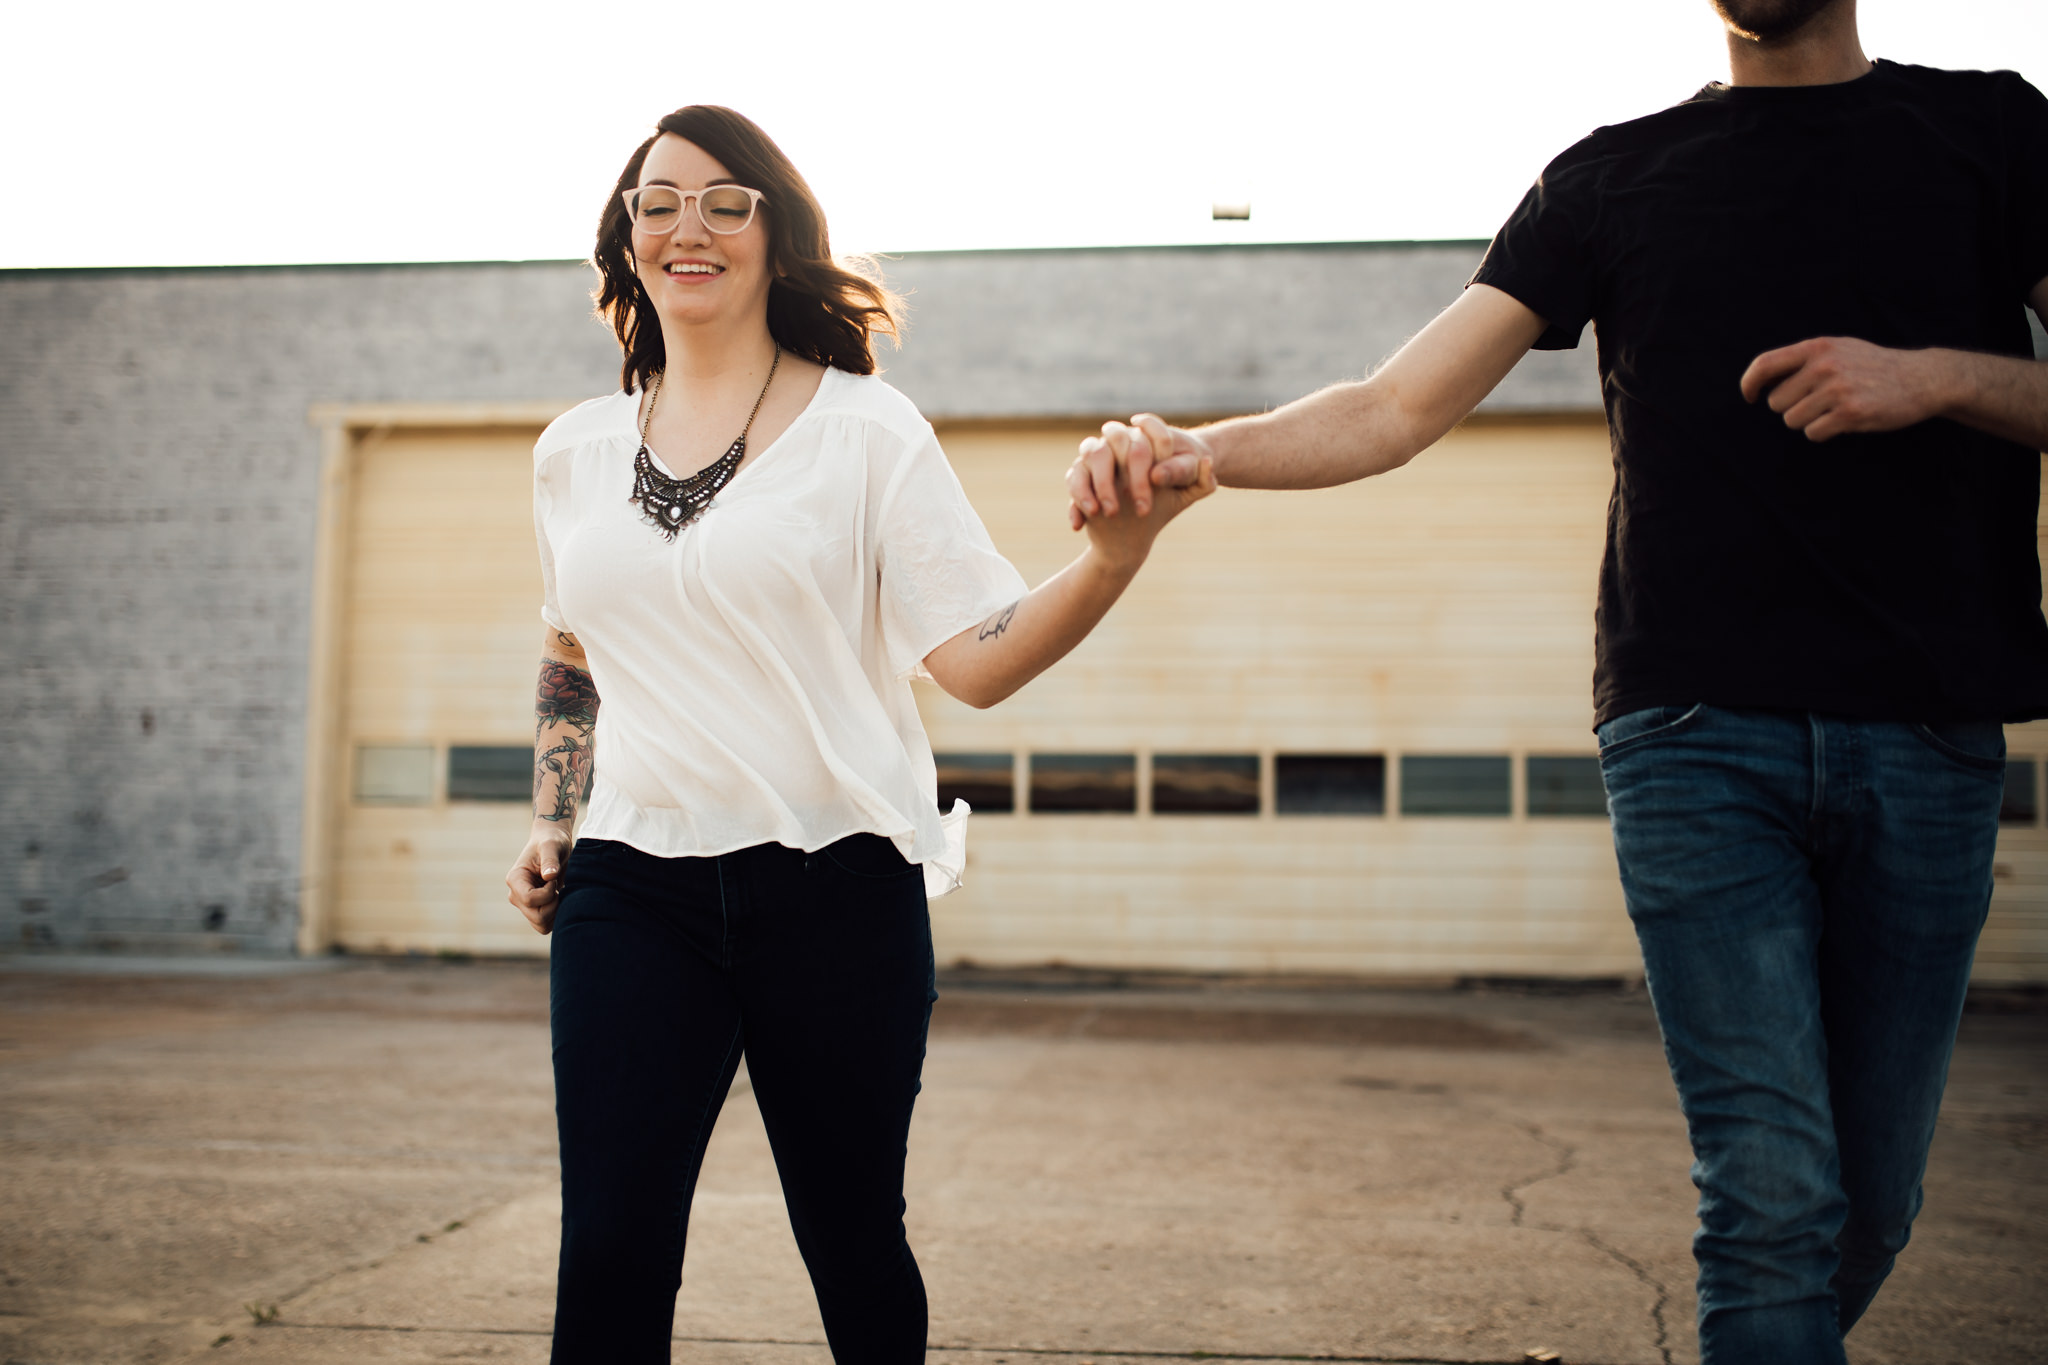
(747, 554)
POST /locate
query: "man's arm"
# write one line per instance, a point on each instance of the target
(1830, 385)
(1342, 433)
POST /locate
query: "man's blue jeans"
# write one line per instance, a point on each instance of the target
(1808, 892)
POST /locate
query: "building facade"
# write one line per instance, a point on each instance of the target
(272, 621)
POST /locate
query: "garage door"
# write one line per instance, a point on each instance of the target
(440, 636)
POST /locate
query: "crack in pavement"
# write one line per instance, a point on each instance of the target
(1518, 1209)
(742, 1084)
(1566, 1156)
(1642, 1273)
(323, 1278)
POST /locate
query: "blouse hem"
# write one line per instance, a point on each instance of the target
(944, 867)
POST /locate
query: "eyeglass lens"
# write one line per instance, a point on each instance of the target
(724, 208)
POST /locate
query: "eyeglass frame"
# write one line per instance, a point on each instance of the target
(693, 198)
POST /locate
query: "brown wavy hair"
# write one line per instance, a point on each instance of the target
(819, 307)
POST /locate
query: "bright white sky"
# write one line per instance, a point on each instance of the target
(400, 130)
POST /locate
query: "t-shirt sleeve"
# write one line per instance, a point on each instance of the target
(544, 499)
(1543, 255)
(2026, 159)
(940, 571)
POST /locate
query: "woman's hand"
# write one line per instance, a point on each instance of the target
(986, 663)
(1128, 461)
(535, 880)
(1124, 535)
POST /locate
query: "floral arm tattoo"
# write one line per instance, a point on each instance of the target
(565, 718)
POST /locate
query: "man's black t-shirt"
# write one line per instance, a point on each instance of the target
(1887, 576)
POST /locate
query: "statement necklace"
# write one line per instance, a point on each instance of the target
(668, 505)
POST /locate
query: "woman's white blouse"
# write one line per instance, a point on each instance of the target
(753, 674)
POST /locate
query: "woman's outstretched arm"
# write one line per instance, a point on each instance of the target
(565, 719)
(986, 663)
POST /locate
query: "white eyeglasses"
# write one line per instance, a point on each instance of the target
(724, 209)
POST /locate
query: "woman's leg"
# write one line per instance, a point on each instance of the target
(835, 980)
(646, 1040)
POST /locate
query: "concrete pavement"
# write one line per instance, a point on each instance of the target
(364, 1159)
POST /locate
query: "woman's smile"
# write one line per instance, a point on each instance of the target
(693, 270)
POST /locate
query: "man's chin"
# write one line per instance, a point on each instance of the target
(1769, 21)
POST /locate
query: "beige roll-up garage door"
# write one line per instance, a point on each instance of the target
(441, 635)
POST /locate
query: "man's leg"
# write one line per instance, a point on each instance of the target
(1906, 881)
(1711, 814)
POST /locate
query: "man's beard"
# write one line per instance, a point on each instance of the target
(1766, 21)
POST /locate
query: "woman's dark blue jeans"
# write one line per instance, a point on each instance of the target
(1807, 891)
(817, 968)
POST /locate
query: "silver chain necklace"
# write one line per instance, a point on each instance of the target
(667, 504)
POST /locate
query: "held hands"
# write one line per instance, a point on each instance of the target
(535, 880)
(1831, 385)
(1144, 466)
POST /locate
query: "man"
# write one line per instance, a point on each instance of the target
(1820, 597)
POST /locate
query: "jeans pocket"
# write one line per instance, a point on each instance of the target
(1975, 744)
(1646, 726)
(584, 857)
(867, 856)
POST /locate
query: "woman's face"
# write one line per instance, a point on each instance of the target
(695, 275)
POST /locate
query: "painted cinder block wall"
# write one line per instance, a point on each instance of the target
(157, 486)
(159, 478)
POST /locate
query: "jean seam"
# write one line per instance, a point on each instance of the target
(696, 1162)
(724, 920)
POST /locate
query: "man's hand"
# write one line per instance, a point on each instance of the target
(1147, 454)
(1125, 540)
(1831, 385)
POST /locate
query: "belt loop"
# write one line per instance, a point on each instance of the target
(1818, 731)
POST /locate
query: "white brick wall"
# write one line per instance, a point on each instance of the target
(157, 477)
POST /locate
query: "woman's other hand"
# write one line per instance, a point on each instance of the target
(535, 880)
